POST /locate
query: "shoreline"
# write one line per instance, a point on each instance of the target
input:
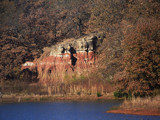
(46, 98)
(135, 112)
(8, 99)
(139, 106)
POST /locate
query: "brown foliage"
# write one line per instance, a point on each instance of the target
(29, 26)
(141, 58)
(129, 54)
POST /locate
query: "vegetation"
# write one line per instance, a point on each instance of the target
(142, 103)
(141, 58)
(129, 55)
(99, 94)
(139, 106)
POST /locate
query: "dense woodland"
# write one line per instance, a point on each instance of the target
(129, 57)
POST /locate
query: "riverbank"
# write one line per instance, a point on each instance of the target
(46, 98)
(136, 112)
(139, 106)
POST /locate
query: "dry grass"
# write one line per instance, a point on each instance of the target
(45, 54)
(142, 103)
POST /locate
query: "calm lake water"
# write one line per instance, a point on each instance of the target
(65, 111)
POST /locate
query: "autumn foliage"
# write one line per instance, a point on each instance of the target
(128, 57)
(141, 58)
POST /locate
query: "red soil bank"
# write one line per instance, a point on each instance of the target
(136, 112)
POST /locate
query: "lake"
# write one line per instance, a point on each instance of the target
(66, 111)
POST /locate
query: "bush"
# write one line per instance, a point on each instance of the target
(156, 92)
(79, 93)
(99, 94)
(119, 94)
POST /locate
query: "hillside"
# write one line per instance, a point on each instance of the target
(128, 58)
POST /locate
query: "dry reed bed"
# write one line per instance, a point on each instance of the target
(147, 103)
(139, 106)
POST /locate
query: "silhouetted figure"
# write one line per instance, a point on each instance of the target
(74, 59)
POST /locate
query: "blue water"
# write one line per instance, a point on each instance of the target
(65, 111)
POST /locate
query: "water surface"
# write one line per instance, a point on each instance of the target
(65, 111)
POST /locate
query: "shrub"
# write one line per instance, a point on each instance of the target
(79, 93)
(119, 94)
(99, 94)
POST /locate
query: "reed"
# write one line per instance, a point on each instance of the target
(142, 103)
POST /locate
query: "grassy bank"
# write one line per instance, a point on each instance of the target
(139, 106)
(13, 98)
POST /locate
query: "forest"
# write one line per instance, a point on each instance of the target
(129, 57)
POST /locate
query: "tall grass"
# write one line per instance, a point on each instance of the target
(142, 103)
